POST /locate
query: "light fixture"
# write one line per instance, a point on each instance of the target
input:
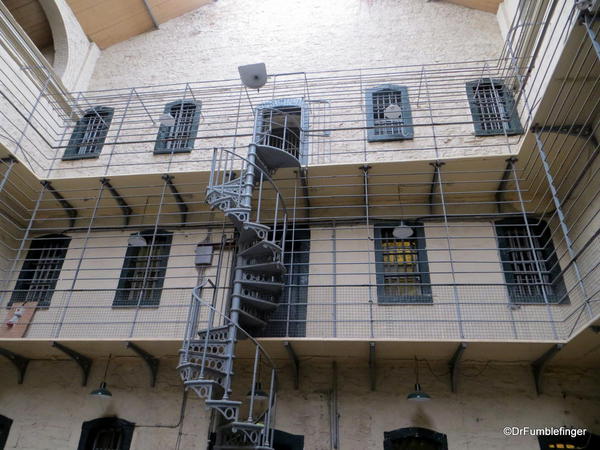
(137, 240)
(418, 395)
(103, 391)
(167, 120)
(402, 231)
(254, 76)
(259, 394)
(393, 111)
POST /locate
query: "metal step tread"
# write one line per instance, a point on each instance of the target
(247, 319)
(268, 286)
(206, 368)
(261, 248)
(259, 303)
(223, 402)
(242, 447)
(249, 231)
(272, 267)
(275, 158)
(244, 425)
(199, 354)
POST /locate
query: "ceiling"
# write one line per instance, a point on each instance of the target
(482, 5)
(30, 15)
(112, 21)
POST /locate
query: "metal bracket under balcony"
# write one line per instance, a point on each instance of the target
(20, 362)
(150, 360)
(82, 361)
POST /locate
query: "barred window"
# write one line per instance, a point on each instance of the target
(89, 134)
(492, 108)
(402, 269)
(388, 113)
(532, 273)
(106, 433)
(144, 269)
(41, 269)
(180, 133)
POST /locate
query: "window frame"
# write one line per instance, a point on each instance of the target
(511, 125)
(30, 267)
(81, 127)
(539, 229)
(283, 103)
(165, 131)
(408, 126)
(129, 268)
(5, 425)
(91, 428)
(423, 265)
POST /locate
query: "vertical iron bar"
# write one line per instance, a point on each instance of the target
(253, 388)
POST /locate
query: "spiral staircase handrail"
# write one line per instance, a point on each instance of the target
(197, 298)
(265, 175)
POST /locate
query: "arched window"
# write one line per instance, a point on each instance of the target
(414, 439)
(5, 424)
(493, 108)
(106, 433)
(529, 261)
(89, 134)
(144, 269)
(41, 269)
(388, 113)
(179, 132)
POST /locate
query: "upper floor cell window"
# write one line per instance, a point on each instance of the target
(493, 108)
(89, 134)
(178, 133)
(283, 124)
(530, 265)
(41, 269)
(144, 269)
(402, 268)
(388, 114)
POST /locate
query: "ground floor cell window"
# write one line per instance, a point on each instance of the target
(106, 433)
(414, 439)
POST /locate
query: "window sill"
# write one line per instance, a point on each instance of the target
(76, 157)
(394, 137)
(169, 152)
(418, 300)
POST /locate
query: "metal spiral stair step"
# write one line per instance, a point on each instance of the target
(212, 388)
(242, 447)
(274, 287)
(249, 320)
(259, 303)
(271, 268)
(261, 248)
(228, 408)
(216, 334)
(252, 231)
(276, 158)
(220, 370)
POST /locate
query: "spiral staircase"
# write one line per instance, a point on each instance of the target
(241, 187)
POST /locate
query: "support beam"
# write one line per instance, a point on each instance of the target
(82, 361)
(151, 361)
(304, 181)
(295, 363)
(69, 209)
(20, 362)
(365, 170)
(539, 365)
(454, 364)
(178, 198)
(10, 162)
(503, 183)
(127, 211)
(372, 366)
(587, 19)
(151, 14)
(434, 183)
